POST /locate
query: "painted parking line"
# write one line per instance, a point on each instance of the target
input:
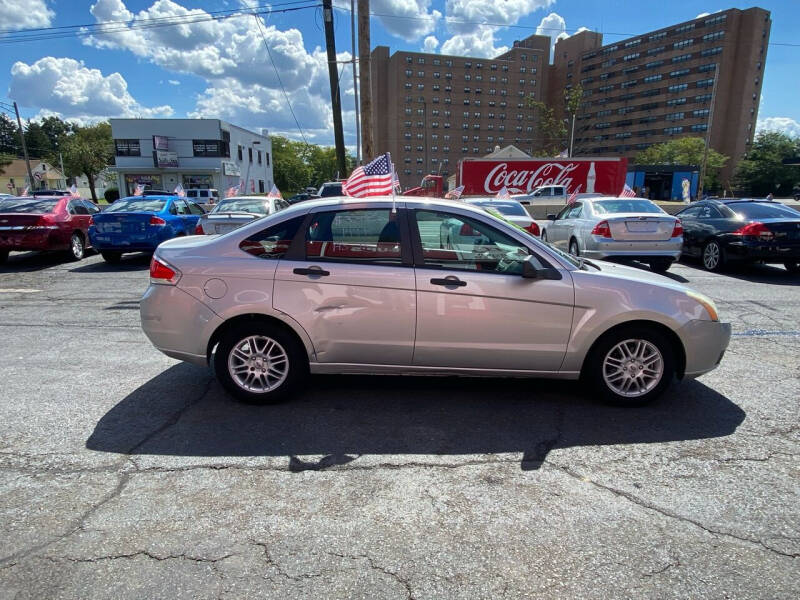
(18, 291)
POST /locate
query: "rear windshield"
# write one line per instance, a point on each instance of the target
(514, 209)
(331, 189)
(250, 206)
(137, 204)
(610, 207)
(28, 205)
(763, 210)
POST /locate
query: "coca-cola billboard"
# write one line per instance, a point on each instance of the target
(522, 176)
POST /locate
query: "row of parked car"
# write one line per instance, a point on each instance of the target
(593, 227)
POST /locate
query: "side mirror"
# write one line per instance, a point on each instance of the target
(551, 217)
(531, 271)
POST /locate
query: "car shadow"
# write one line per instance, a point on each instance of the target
(129, 262)
(344, 417)
(646, 267)
(28, 262)
(752, 272)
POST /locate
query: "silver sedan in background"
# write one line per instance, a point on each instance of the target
(619, 229)
(234, 212)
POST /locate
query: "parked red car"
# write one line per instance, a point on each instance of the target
(45, 223)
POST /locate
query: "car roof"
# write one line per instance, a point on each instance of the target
(156, 196)
(246, 198)
(336, 201)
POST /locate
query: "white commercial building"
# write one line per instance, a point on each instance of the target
(196, 153)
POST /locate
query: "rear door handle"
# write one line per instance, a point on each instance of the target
(311, 271)
(449, 281)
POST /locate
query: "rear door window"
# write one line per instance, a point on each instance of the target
(370, 235)
(274, 241)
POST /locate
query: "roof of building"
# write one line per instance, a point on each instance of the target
(17, 169)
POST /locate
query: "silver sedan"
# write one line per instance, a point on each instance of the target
(234, 212)
(617, 228)
(368, 286)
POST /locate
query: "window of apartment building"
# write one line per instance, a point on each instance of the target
(653, 65)
(199, 148)
(505, 68)
(653, 92)
(476, 150)
(464, 138)
(683, 28)
(586, 80)
(465, 126)
(705, 83)
(407, 111)
(419, 160)
(673, 116)
(649, 106)
(434, 124)
(420, 73)
(406, 171)
(632, 56)
(131, 147)
(447, 113)
(706, 68)
(448, 88)
(407, 160)
(648, 120)
(465, 114)
(448, 62)
(409, 72)
(651, 78)
(682, 44)
(676, 101)
(503, 92)
(679, 73)
(588, 68)
(409, 60)
(501, 128)
(630, 70)
(420, 86)
(435, 112)
(467, 77)
(437, 75)
(699, 127)
(656, 36)
(622, 135)
(626, 109)
(504, 80)
(678, 87)
(420, 61)
(468, 65)
(717, 35)
(604, 125)
(436, 87)
(478, 91)
(628, 84)
(448, 100)
(420, 136)
(701, 112)
(608, 62)
(407, 85)
(603, 113)
(626, 97)
(464, 149)
(408, 99)
(250, 154)
(519, 128)
(446, 126)
(715, 20)
(445, 148)
(436, 62)
(435, 148)
(702, 98)
(672, 130)
(713, 51)
(654, 51)
(407, 135)
(682, 58)
(407, 148)
(610, 49)
(522, 69)
(476, 138)
(434, 136)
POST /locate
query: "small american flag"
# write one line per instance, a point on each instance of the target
(455, 194)
(232, 191)
(139, 190)
(373, 179)
(274, 192)
(179, 191)
(627, 192)
(573, 196)
(396, 188)
(73, 191)
(503, 194)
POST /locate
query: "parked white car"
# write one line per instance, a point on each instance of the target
(546, 194)
(367, 286)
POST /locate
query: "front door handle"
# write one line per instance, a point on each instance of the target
(311, 271)
(449, 281)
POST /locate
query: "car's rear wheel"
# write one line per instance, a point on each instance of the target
(573, 247)
(77, 247)
(111, 257)
(661, 265)
(792, 267)
(260, 363)
(632, 366)
(713, 256)
(3, 256)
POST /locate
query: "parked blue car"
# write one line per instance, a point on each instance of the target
(141, 223)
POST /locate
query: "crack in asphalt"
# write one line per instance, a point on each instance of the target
(138, 553)
(395, 576)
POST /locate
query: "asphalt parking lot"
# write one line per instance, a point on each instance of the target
(125, 474)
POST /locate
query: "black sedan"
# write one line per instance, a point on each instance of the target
(724, 231)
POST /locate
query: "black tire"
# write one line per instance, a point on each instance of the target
(661, 265)
(714, 249)
(3, 256)
(77, 246)
(573, 247)
(111, 257)
(792, 267)
(285, 343)
(595, 365)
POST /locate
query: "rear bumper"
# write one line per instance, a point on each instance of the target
(597, 247)
(31, 241)
(766, 251)
(146, 242)
(705, 343)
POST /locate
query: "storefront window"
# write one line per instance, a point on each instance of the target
(193, 182)
(149, 182)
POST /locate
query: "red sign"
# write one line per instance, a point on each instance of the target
(522, 176)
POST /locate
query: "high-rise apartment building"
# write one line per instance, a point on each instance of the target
(432, 110)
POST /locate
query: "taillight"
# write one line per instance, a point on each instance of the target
(161, 272)
(602, 229)
(199, 230)
(756, 229)
(91, 221)
(466, 230)
(677, 231)
(533, 229)
(157, 221)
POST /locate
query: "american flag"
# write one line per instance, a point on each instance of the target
(456, 193)
(232, 191)
(179, 191)
(396, 182)
(139, 190)
(503, 194)
(573, 196)
(373, 179)
(73, 191)
(274, 192)
(627, 192)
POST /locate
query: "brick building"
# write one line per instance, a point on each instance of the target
(431, 110)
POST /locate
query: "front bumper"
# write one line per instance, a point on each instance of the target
(177, 323)
(705, 343)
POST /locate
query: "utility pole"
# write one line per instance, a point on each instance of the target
(572, 135)
(701, 183)
(355, 79)
(24, 147)
(367, 139)
(333, 74)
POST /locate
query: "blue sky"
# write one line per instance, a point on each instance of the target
(221, 68)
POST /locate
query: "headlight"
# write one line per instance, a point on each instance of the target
(707, 303)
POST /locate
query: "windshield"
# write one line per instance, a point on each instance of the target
(260, 207)
(137, 205)
(514, 209)
(28, 205)
(763, 210)
(609, 207)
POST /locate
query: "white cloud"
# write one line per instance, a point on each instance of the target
(430, 44)
(173, 82)
(554, 26)
(406, 19)
(462, 15)
(66, 87)
(25, 14)
(785, 125)
(701, 15)
(480, 43)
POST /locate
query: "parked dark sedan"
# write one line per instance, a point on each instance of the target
(724, 231)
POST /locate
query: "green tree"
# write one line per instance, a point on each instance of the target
(56, 131)
(291, 171)
(89, 150)
(762, 171)
(5, 160)
(550, 131)
(684, 151)
(9, 136)
(36, 140)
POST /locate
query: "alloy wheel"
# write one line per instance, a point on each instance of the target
(711, 256)
(633, 367)
(258, 364)
(76, 246)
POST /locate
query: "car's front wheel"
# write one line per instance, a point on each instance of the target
(632, 366)
(573, 247)
(260, 363)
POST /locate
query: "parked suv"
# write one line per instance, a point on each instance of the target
(546, 194)
(329, 188)
(203, 196)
